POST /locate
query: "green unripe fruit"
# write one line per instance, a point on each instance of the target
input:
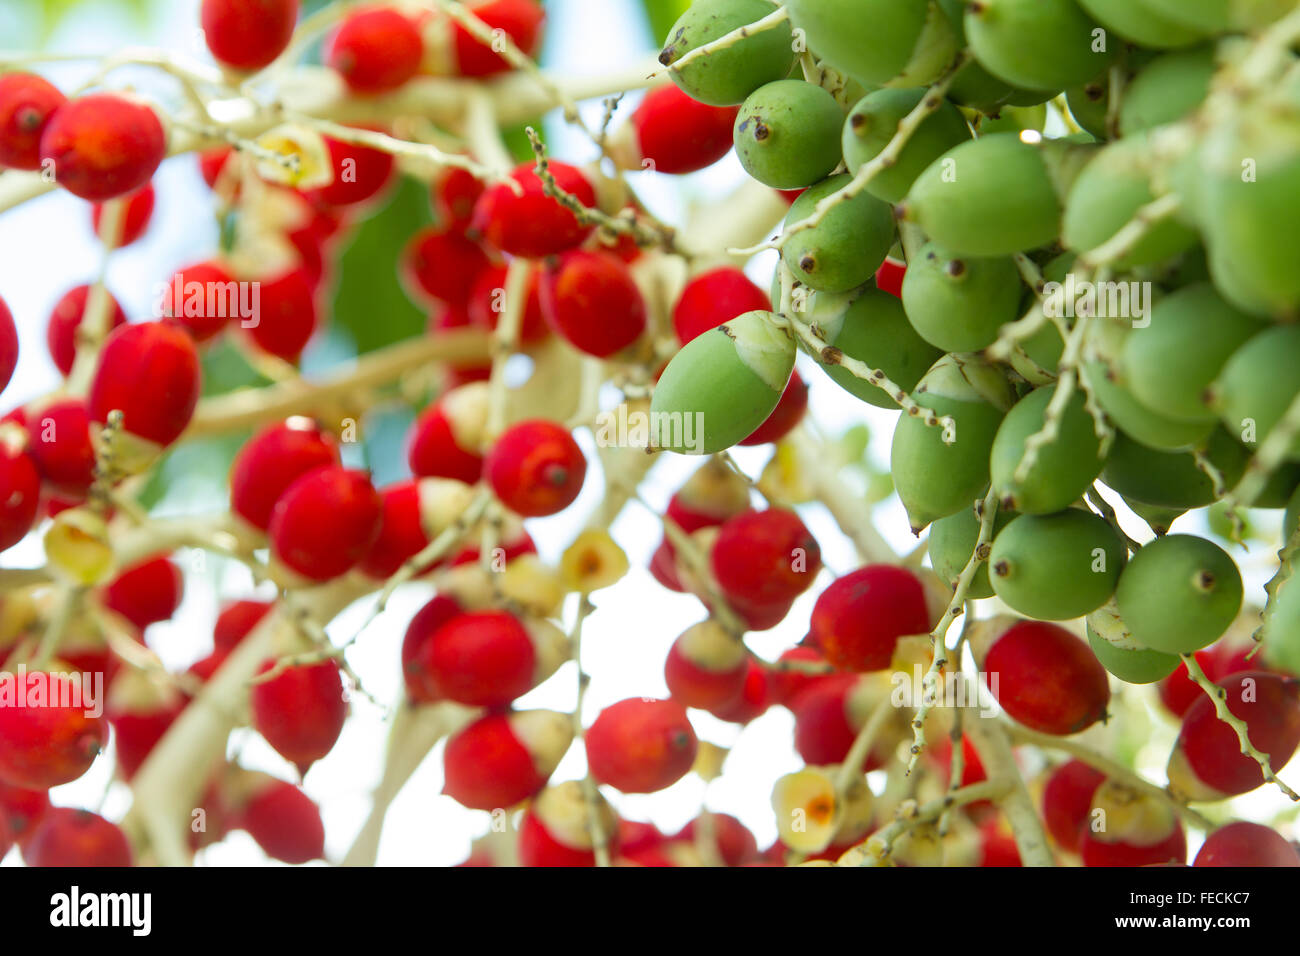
(1220, 16)
(951, 544)
(1167, 89)
(875, 330)
(1063, 469)
(1159, 520)
(1037, 44)
(959, 303)
(726, 77)
(1044, 350)
(1090, 105)
(872, 124)
(1179, 593)
(1014, 119)
(1282, 628)
(1291, 519)
(787, 134)
(973, 87)
(1258, 383)
(878, 42)
(846, 248)
(1143, 424)
(1120, 654)
(1140, 24)
(933, 478)
(721, 386)
(1056, 567)
(1109, 191)
(1171, 479)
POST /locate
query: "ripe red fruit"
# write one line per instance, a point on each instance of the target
(678, 134)
(788, 413)
(521, 20)
(641, 745)
(1128, 828)
(147, 592)
(285, 316)
(150, 371)
(284, 822)
(45, 740)
(202, 298)
(765, 558)
(141, 711)
(247, 34)
(271, 461)
(58, 441)
(501, 759)
(61, 333)
(1067, 798)
(1043, 676)
(135, 217)
(706, 666)
(734, 842)
(1246, 844)
(401, 534)
(20, 496)
(713, 298)
(858, 619)
(375, 50)
(325, 522)
(453, 194)
(556, 829)
(533, 224)
(663, 566)
(443, 264)
(709, 497)
(788, 680)
(103, 145)
(27, 102)
(1207, 762)
(487, 303)
(236, 621)
(754, 699)
(827, 718)
(22, 811)
(300, 711)
(70, 837)
(591, 300)
(420, 685)
(489, 658)
(446, 438)
(889, 277)
(8, 345)
(212, 162)
(1178, 691)
(536, 468)
(360, 173)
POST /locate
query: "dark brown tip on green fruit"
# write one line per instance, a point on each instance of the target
(808, 263)
(1203, 581)
(956, 268)
(761, 132)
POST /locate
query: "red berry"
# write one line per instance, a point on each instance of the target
(487, 303)
(1128, 828)
(536, 468)
(1044, 677)
(591, 300)
(203, 297)
(43, 745)
(325, 522)
(236, 621)
(501, 759)
(300, 711)
(556, 829)
(284, 822)
(889, 277)
(713, 298)
(765, 558)
(858, 619)
(533, 224)
(141, 711)
(271, 461)
(401, 534)
(443, 264)
(20, 496)
(827, 718)
(454, 193)
(663, 566)
(788, 680)
(420, 685)
(135, 217)
(69, 837)
(1067, 798)
(788, 413)
(446, 438)
(709, 497)
(375, 50)
(489, 658)
(147, 592)
(149, 371)
(755, 697)
(706, 666)
(58, 440)
(27, 102)
(734, 842)
(1246, 844)
(641, 745)
(520, 20)
(8, 345)
(360, 173)
(285, 317)
(997, 845)
(1178, 691)
(61, 333)
(247, 34)
(103, 145)
(22, 811)
(212, 162)
(678, 134)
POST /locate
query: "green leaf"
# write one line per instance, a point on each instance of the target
(225, 369)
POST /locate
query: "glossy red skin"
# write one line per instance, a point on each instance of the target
(135, 734)
(1172, 849)
(533, 224)
(20, 497)
(486, 298)
(520, 19)
(442, 264)
(135, 217)
(735, 843)
(211, 162)
(756, 616)
(679, 134)
(149, 370)
(536, 468)
(103, 145)
(889, 277)
(1246, 844)
(420, 685)
(511, 548)
(997, 846)
(45, 746)
(1067, 801)
(453, 195)
(236, 621)
(858, 619)
(370, 171)
(789, 195)
(285, 823)
(822, 732)
(325, 522)
(634, 836)
(1178, 691)
(401, 536)
(538, 848)
(787, 683)
(210, 276)
(1048, 679)
(754, 555)
(375, 50)
(640, 745)
(789, 412)
(591, 301)
(286, 317)
(70, 837)
(713, 298)
(663, 565)
(61, 333)
(695, 686)
(271, 461)
(300, 711)
(1272, 722)
(480, 659)
(147, 592)
(22, 811)
(27, 102)
(433, 452)
(8, 345)
(247, 34)
(58, 441)
(487, 767)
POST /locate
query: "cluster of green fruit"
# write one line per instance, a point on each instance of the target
(917, 130)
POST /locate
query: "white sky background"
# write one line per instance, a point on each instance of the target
(46, 246)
